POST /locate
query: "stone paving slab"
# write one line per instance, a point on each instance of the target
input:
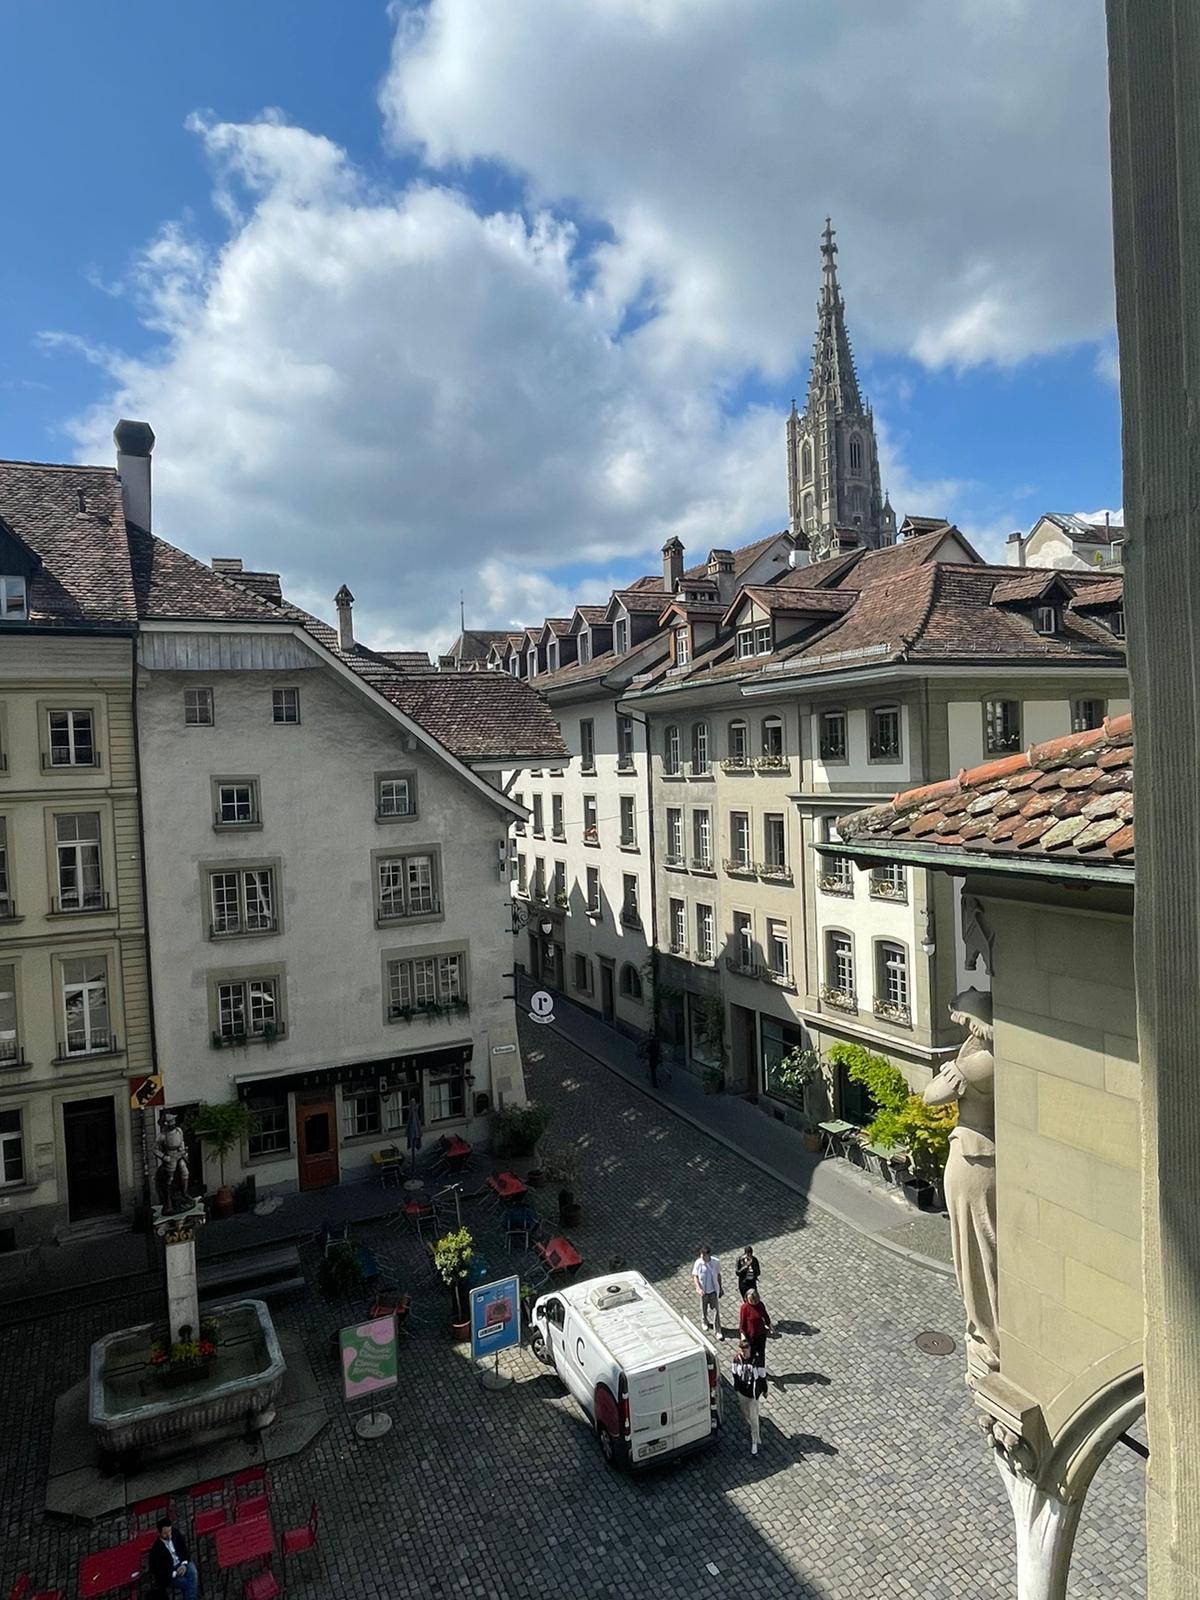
(872, 1481)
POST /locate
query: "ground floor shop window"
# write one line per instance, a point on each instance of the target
(779, 1039)
(12, 1153)
(360, 1112)
(447, 1096)
(270, 1112)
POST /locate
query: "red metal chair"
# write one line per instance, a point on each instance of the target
(208, 1518)
(20, 1589)
(296, 1541)
(159, 1506)
(265, 1586)
(251, 1495)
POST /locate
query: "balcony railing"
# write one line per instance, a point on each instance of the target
(12, 1054)
(675, 860)
(893, 1011)
(676, 948)
(702, 864)
(832, 752)
(839, 999)
(735, 764)
(74, 758)
(736, 867)
(836, 883)
(777, 976)
(778, 871)
(744, 968)
(591, 835)
(79, 903)
(770, 763)
(624, 763)
(889, 889)
(98, 1043)
(388, 912)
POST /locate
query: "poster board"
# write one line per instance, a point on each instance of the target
(368, 1352)
(495, 1317)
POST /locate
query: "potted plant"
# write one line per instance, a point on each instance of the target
(223, 1126)
(559, 1166)
(517, 1131)
(790, 1079)
(452, 1261)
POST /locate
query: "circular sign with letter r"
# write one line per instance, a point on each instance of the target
(541, 1006)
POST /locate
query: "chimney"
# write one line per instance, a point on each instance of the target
(344, 601)
(229, 565)
(134, 442)
(672, 553)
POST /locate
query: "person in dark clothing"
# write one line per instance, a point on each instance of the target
(754, 1323)
(652, 1050)
(169, 1565)
(748, 1271)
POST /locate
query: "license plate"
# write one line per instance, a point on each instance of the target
(653, 1447)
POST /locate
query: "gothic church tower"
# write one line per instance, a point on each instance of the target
(834, 501)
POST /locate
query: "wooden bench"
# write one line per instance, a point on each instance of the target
(259, 1274)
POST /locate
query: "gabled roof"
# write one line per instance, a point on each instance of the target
(588, 616)
(691, 610)
(553, 627)
(1029, 587)
(1083, 531)
(1103, 595)
(71, 523)
(1062, 804)
(743, 558)
(779, 600)
(651, 600)
(173, 586)
(473, 644)
(408, 660)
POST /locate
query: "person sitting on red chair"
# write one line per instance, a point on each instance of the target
(169, 1565)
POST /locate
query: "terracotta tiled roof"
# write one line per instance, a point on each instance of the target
(407, 660)
(173, 586)
(1066, 800)
(478, 715)
(1100, 595)
(557, 625)
(743, 558)
(791, 599)
(474, 643)
(591, 614)
(1029, 586)
(71, 523)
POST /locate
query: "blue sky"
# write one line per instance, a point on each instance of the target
(499, 298)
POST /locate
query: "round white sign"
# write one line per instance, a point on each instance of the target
(541, 1006)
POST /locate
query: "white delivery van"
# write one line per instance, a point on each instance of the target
(646, 1376)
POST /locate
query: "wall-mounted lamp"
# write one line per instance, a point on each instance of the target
(928, 940)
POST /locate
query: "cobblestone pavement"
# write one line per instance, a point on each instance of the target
(871, 1481)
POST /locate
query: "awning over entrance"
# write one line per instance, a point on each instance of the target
(370, 1074)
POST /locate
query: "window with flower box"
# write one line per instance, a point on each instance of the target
(674, 840)
(424, 984)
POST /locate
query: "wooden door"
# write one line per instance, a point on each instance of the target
(316, 1142)
(608, 1009)
(90, 1147)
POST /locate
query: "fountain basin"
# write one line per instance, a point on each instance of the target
(132, 1411)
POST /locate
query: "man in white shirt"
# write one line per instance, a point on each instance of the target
(706, 1275)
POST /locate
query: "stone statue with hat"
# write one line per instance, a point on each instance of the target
(970, 1177)
(171, 1174)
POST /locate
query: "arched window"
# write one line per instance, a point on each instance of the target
(839, 970)
(855, 453)
(631, 982)
(700, 762)
(806, 463)
(671, 748)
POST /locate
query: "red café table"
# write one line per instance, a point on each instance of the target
(239, 1542)
(507, 1186)
(118, 1567)
(559, 1254)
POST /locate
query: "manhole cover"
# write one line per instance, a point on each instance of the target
(935, 1344)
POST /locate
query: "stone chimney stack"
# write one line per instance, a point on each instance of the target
(344, 601)
(672, 553)
(134, 442)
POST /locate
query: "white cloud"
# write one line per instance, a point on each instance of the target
(959, 145)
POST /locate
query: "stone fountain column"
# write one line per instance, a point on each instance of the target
(177, 1230)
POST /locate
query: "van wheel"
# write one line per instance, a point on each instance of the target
(614, 1451)
(537, 1343)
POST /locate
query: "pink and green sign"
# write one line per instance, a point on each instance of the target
(369, 1358)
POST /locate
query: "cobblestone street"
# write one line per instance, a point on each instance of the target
(872, 1480)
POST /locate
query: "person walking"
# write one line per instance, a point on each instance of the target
(169, 1565)
(749, 1384)
(652, 1050)
(706, 1275)
(754, 1323)
(748, 1271)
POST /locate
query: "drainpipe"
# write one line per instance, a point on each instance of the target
(152, 1258)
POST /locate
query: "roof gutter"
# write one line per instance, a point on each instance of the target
(793, 682)
(941, 859)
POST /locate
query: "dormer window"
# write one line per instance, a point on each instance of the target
(683, 646)
(762, 639)
(585, 647)
(531, 663)
(14, 601)
(1047, 619)
(1116, 622)
(620, 636)
(745, 643)
(552, 657)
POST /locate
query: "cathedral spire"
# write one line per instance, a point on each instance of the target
(833, 470)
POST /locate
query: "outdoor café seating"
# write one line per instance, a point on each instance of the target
(558, 1257)
(520, 1222)
(506, 1187)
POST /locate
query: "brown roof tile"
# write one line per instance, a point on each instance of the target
(1068, 799)
(70, 522)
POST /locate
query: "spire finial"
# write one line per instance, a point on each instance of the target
(462, 615)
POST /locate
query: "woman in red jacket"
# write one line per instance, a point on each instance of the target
(754, 1323)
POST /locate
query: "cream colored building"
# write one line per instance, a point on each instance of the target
(75, 1022)
(1043, 844)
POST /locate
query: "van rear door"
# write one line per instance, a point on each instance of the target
(668, 1406)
